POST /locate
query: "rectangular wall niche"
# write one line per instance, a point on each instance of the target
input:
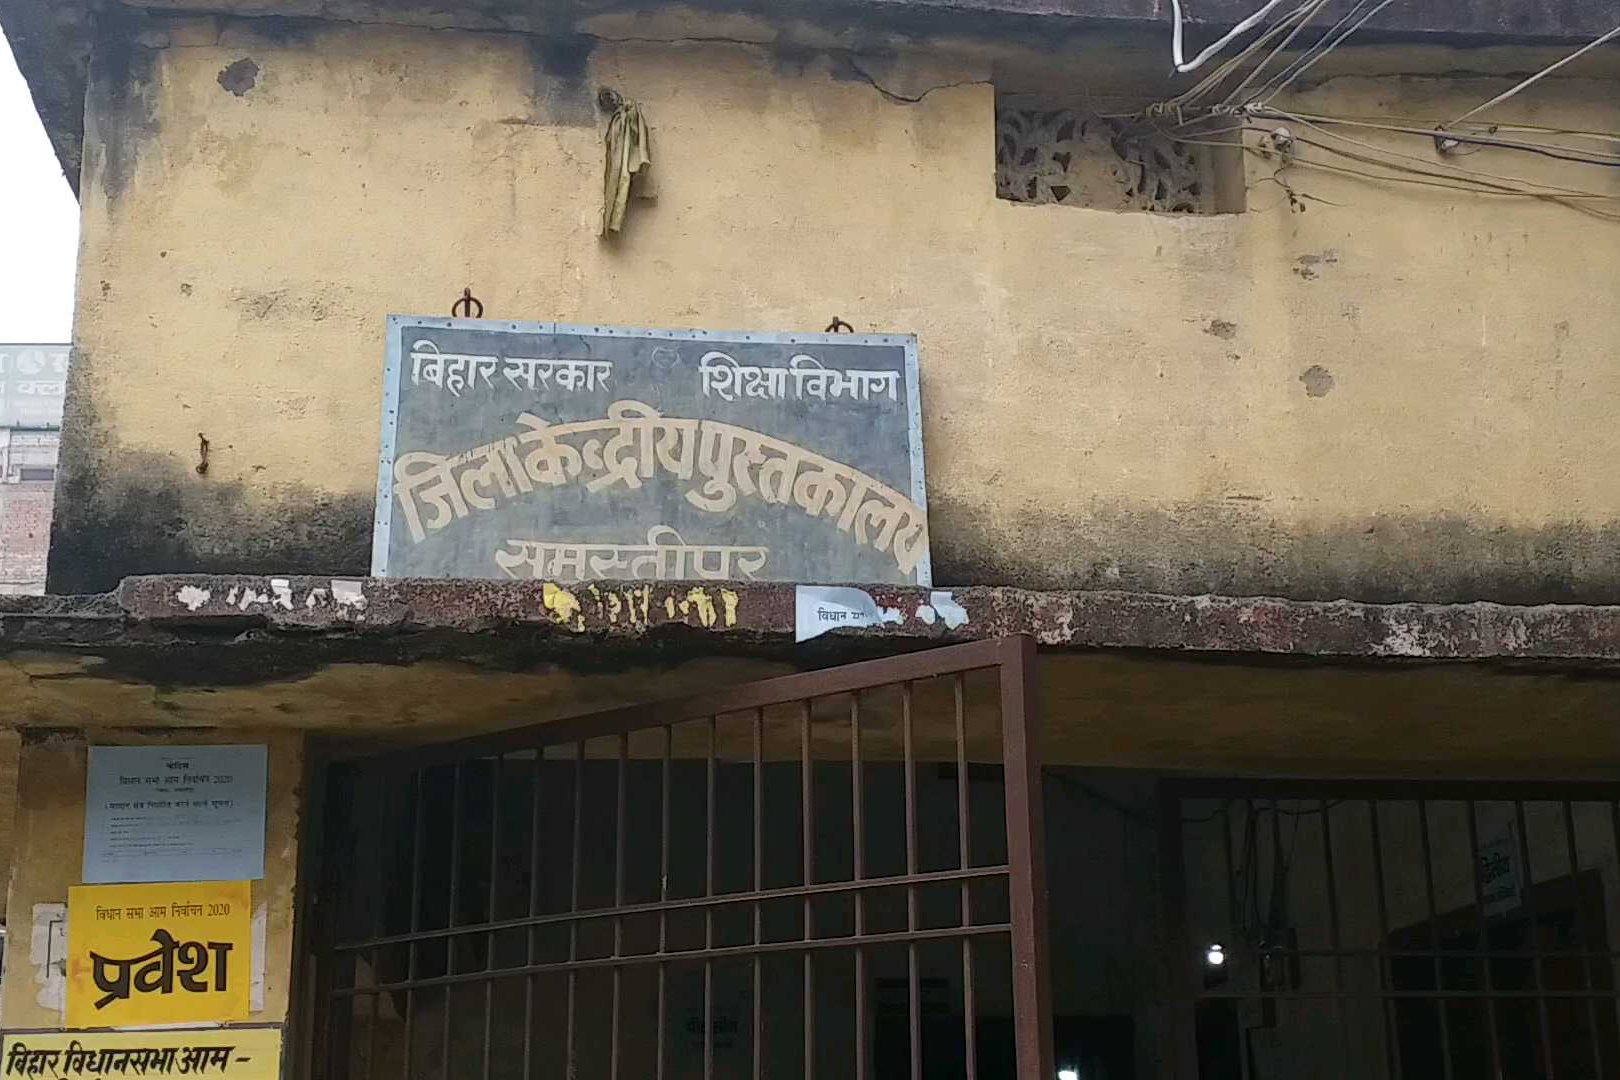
(1048, 152)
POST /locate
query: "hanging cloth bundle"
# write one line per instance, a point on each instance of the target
(627, 155)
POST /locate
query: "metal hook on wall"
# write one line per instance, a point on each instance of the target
(839, 326)
(464, 308)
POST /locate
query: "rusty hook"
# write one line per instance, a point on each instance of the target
(463, 308)
(839, 326)
(202, 454)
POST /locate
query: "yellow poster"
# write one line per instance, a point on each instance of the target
(173, 953)
(228, 1053)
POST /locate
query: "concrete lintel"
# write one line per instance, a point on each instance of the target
(376, 619)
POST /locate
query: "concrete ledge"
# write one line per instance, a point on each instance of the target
(385, 619)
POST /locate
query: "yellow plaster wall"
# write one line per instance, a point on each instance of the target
(1109, 399)
(48, 852)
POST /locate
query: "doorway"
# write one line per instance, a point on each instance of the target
(833, 874)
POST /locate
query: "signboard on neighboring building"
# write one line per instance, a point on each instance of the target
(578, 453)
(174, 813)
(245, 1053)
(33, 381)
(158, 954)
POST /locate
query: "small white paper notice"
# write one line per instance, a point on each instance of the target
(820, 608)
(174, 813)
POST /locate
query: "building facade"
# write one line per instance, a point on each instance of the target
(1257, 719)
(33, 379)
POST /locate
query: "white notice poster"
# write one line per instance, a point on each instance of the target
(174, 813)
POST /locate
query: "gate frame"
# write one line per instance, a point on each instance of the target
(1012, 657)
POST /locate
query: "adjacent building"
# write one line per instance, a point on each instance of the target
(33, 379)
(1252, 715)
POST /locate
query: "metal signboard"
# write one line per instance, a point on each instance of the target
(33, 381)
(578, 453)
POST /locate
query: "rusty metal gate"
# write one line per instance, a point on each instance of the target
(831, 874)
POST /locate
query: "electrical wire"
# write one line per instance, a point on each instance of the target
(1538, 76)
(1409, 126)
(1226, 70)
(1493, 185)
(1429, 127)
(1314, 46)
(1423, 161)
(1309, 61)
(1184, 66)
(1310, 12)
(1559, 153)
(1571, 201)
(1477, 184)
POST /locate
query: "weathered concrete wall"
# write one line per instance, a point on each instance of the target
(48, 852)
(1401, 393)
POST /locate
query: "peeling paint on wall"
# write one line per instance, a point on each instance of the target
(47, 952)
(256, 977)
(945, 604)
(349, 594)
(193, 597)
(698, 600)
(562, 604)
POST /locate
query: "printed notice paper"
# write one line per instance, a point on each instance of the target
(227, 1053)
(820, 608)
(140, 955)
(174, 813)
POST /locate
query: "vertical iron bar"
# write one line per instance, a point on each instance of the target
(1236, 918)
(964, 837)
(1580, 943)
(1434, 938)
(618, 901)
(455, 901)
(418, 840)
(914, 987)
(1334, 941)
(807, 820)
(708, 920)
(1530, 907)
(1233, 915)
(1484, 944)
(1181, 1056)
(1614, 832)
(534, 909)
(490, 914)
(1278, 868)
(383, 792)
(1181, 1039)
(759, 886)
(1026, 857)
(1392, 1044)
(569, 1053)
(663, 897)
(857, 811)
(316, 915)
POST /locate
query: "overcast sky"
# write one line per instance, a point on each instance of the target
(39, 221)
